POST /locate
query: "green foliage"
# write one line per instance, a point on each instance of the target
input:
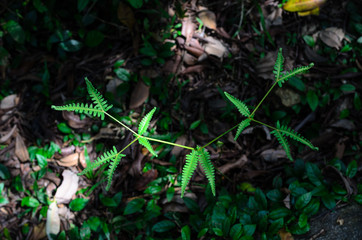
(188, 169)
(142, 128)
(245, 123)
(243, 109)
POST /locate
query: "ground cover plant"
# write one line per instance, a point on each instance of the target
(190, 118)
(198, 154)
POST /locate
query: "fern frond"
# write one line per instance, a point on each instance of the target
(112, 167)
(243, 109)
(144, 142)
(283, 142)
(242, 126)
(285, 76)
(204, 159)
(142, 128)
(81, 108)
(278, 67)
(106, 157)
(97, 98)
(188, 169)
(296, 136)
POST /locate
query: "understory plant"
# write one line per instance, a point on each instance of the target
(198, 154)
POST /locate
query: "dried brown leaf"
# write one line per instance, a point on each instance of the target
(7, 136)
(126, 15)
(9, 101)
(208, 18)
(188, 28)
(70, 160)
(53, 221)
(332, 37)
(139, 95)
(288, 96)
(237, 164)
(20, 149)
(68, 187)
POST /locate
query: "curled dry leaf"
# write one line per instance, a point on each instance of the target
(53, 221)
(139, 94)
(332, 37)
(38, 232)
(68, 187)
(9, 101)
(182, 140)
(74, 120)
(266, 65)
(20, 149)
(70, 160)
(8, 135)
(189, 59)
(208, 18)
(188, 28)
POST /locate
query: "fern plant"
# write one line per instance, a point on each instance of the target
(198, 155)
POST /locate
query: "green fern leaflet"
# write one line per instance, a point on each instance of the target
(188, 170)
(278, 67)
(97, 98)
(283, 142)
(243, 109)
(296, 136)
(106, 157)
(286, 76)
(242, 126)
(144, 142)
(81, 108)
(142, 128)
(112, 167)
(204, 159)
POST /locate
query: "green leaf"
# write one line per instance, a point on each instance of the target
(98, 100)
(279, 213)
(71, 45)
(348, 88)
(185, 233)
(352, 169)
(64, 128)
(82, 4)
(30, 202)
(278, 66)
(357, 101)
(188, 169)
(275, 226)
(297, 83)
(15, 31)
(142, 128)
(296, 136)
(358, 198)
(236, 231)
(78, 204)
(260, 198)
(303, 200)
(94, 223)
(191, 204)
(242, 126)
(312, 100)
(4, 172)
(122, 74)
(144, 142)
(275, 195)
(134, 206)
(195, 124)
(40, 7)
(302, 220)
(204, 159)
(170, 192)
(329, 201)
(107, 201)
(94, 38)
(312, 207)
(136, 3)
(243, 109)
(163, 226)
(218, 232)
(202, 232)
(313, 173)
(309, 40)
(249, 229)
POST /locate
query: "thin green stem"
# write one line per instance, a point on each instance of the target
(220, 136)
(169, 143)
(271, 127)
(261, 101)
(121, 123)
(129, 144)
